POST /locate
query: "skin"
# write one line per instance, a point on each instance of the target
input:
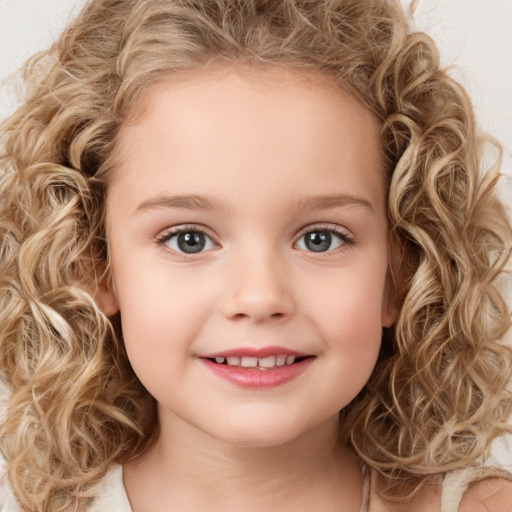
(259, 147)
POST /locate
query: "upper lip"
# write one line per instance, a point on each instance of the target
(255, 352)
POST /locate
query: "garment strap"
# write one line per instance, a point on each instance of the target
(367, 480)
(454, 486)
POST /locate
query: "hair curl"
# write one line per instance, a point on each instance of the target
(437, 397)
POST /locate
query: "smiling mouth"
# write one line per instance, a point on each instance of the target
(260, 363)
(261, 368)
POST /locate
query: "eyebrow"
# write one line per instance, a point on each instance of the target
(327, 202)
(204, 203)
(187, 202)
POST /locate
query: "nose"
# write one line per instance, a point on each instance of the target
(258, 290)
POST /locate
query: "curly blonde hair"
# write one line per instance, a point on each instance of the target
(437, 397)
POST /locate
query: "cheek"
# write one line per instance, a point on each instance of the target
(351, 300)
(348, 316)
(156, 312)
(162, 313)
(157, 330)
(354, 335)
(351, 331)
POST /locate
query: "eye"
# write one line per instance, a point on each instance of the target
(187, 241)
(322, 240)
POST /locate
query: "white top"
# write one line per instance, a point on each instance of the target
(112, 495)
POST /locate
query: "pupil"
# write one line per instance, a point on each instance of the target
(191, 242)
(318, 241)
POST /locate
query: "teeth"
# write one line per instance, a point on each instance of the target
(280, 360)
(249, 362)
(255, 362)
(267, 362)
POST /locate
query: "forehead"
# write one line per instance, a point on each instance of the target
(246, 124)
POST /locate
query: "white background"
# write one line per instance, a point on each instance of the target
(474, 35)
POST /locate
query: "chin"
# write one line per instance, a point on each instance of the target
(258, 435)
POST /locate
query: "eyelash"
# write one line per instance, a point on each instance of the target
(163, 238)
(348, 240)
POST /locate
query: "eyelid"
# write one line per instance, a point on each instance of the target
(164, 236)
(347, 237)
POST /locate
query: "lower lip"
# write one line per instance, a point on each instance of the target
(257, 378)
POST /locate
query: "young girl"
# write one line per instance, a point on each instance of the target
(222, 223)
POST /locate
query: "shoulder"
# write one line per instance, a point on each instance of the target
(426, 499)
(111, 493)
(461, 491)
(490, 495)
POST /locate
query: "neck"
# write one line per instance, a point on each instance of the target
(189, 470)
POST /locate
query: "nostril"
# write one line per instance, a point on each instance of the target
(258, 305)
(259, 315)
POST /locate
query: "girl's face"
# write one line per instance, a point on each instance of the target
(248, 239)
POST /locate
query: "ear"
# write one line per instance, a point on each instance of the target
(106, 296)
(107, 300)
(389, 310)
